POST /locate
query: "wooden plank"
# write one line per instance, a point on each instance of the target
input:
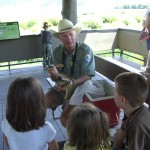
(6, 77)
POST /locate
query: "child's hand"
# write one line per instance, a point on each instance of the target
(59, 88)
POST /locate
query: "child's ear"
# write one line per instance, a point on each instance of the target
(123, 100)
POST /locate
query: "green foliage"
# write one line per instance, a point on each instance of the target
(26, 61)
(31, 23)
(126, 6)
(126, 55)
(23, 25)
(21, 63)
(108, 19)
(92, 24)
(139, 19)
(133, 6)
(28, 25)
(114, 19)
(53, 21)
(131, 55)
(141, 6)
(126, 22)
(132, 22)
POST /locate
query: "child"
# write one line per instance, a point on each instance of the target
(25, 127)
(87, 129)
(131, 91)
(146, 27)
(46, 45)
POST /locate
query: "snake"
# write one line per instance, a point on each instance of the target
(66, 82)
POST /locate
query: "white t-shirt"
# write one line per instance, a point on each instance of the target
(32, 140)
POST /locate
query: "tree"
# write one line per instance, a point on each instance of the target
(69, 10)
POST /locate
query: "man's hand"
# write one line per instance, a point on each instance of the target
(53, 72)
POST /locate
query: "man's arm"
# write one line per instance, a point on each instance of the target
(82, 79)
(52, 70)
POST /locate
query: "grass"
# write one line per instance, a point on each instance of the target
(21, 64)
(126, 55)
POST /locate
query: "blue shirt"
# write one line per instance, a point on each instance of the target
(46, 37)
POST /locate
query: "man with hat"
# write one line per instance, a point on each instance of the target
(46, 45)
(78, 62)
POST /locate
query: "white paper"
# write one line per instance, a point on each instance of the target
(52, 83)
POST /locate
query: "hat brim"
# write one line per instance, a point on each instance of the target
(56, 34)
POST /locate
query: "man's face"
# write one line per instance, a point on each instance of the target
(68, 39)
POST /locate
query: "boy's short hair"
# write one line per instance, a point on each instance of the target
(46, 25)
(132, 86)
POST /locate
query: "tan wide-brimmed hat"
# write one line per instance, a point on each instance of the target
(64, 26)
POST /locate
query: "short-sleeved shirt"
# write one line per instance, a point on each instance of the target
(83, 64)
(147, 41)
(31, 140)
(46, 37)
(138, 130)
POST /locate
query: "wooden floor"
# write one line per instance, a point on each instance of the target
(6, 77)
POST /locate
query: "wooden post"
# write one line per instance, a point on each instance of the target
(69, 10)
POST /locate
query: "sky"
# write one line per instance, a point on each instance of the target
(51, 8)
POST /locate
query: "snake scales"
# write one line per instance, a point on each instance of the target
(67, 83)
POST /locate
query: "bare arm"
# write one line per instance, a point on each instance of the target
(53, 145)
(6, 141)
(118, 140)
